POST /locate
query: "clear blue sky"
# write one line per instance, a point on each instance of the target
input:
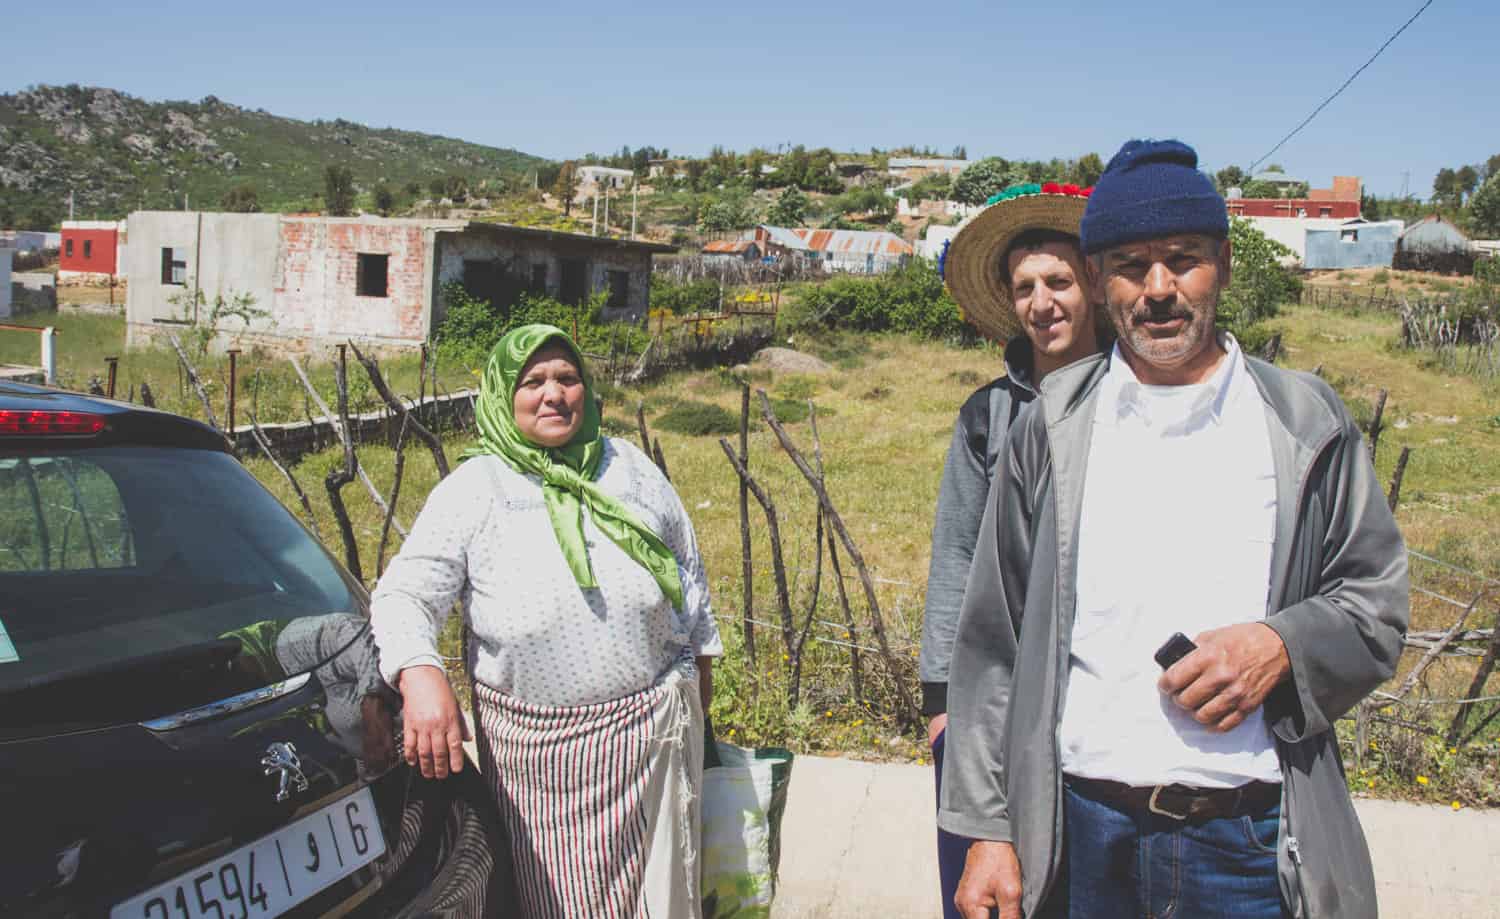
(1031, 80)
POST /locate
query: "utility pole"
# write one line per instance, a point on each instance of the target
(1405, 180)
(606, 210)
(70, 204)
(594, 224)
(634, 196)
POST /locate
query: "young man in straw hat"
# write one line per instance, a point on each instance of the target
(1017, 272)
(1186, 574)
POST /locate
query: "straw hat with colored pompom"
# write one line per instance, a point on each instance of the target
(971, 262)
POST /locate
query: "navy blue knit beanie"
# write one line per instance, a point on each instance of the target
(1151, 189)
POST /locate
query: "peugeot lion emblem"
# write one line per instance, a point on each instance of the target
(282, 758)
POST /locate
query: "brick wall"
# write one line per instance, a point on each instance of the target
(317, 272)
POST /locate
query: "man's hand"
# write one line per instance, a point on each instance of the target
(433, 729)
(1229, 675)
(936, 727)
(992, 880)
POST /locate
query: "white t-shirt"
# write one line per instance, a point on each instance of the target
(1179, 513)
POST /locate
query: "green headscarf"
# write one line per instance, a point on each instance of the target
(568, 471)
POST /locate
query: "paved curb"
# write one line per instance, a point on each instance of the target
(858, 840)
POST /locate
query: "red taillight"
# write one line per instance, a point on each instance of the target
(41, 424)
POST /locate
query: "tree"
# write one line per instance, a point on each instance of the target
(723, 215)
(1466, 179)
(385, 199)
(1484, 208)
(1230, 177)
(1088, 169)
(1445, 186)
(241, 199)
(1369, 207)
(990, 175)
(790, 208)
(1492, 166)
(413, 190)
(455, 188)
(338, 191)
(566, 185)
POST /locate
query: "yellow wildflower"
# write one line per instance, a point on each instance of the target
(1456, 805)
(1371, 783)
(858, 722)
(1452, 750)
(828, 714)
(1373, 746)
(1421, 780)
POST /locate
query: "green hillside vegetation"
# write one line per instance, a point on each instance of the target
(117, 153)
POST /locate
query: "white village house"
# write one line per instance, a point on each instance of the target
(315, 281)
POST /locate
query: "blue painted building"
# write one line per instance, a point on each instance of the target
(1355, 244)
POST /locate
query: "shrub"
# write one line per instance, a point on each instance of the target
(1487, 270)
(1259, 284)
(909, 299)
(472, 327)
(700, 296)
(699, 419)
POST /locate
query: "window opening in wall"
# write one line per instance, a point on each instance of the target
(68, 248)
(1325, 212)
(539, 277)
(372, 275)
(619, 290)
(88, 248)
(574, 281)
(173, 266)
(1349, 236)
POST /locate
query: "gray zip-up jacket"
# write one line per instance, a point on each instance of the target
(1338, 599)
(978, 437)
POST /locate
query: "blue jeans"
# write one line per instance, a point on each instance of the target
(1117, 864)
(952, 850)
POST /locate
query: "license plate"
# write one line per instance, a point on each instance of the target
(273, 874)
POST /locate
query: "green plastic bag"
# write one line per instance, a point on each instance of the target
(744, 797)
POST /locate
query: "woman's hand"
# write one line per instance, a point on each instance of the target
(434, 728)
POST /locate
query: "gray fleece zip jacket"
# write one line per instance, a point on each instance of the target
(1338, 599)
(978, 437)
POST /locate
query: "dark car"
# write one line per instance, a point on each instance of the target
(192, 719)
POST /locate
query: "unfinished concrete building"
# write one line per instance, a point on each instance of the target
(300, 282)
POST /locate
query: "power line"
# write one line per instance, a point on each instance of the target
(1336, 92)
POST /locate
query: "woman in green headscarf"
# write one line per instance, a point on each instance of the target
(590, 643)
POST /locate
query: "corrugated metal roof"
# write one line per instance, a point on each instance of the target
(1279, 178)
(850, 242)
(1434, 234)
(728, 246)
(784, 237)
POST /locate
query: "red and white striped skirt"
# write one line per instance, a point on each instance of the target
(601, 801)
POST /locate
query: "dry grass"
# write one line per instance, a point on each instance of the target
(886, 415)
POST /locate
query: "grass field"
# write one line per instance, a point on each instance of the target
(266, 382)
(885, 415)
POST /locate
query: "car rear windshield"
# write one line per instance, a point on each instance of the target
(140, 581)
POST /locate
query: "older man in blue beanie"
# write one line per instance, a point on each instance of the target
(1186, 574)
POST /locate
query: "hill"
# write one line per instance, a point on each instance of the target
(117, 154)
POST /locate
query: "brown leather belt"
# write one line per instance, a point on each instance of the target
(1181, 802)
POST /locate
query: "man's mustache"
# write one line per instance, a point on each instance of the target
(1163, 313)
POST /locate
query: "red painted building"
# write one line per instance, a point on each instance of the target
(90, 247)
(1340, 202)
